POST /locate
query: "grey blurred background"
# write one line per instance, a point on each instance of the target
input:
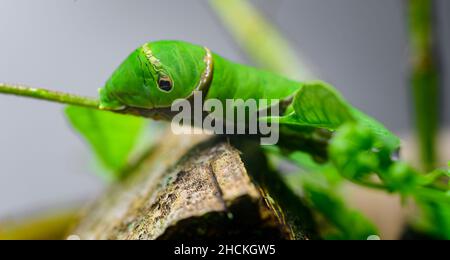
(358, 45)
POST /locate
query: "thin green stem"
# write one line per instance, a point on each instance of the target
(424, 78)
(431, 195)
(49, 95)
(426, 193)
(260, 39)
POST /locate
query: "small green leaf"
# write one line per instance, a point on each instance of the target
(318, 105)
(304, 161)
(390, 141)
(350, 151)
(111, 136)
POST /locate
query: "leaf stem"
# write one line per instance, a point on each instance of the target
(260, 39)
(425, 77)
(49, 95)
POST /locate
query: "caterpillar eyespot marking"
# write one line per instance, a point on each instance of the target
(165, 84)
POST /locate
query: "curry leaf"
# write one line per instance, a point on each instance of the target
(318, 105)
(111, 136)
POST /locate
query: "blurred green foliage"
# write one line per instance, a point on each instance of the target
(425, 77)
(111, 136)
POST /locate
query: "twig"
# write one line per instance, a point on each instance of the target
(49, 95)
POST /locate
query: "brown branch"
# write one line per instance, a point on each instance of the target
(198, 188)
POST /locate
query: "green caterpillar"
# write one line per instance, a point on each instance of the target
(158, 73)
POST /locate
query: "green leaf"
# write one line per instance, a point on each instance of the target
(318, 105)
(349, 223)
(435, 219)
(111, 136)
(304, 161)
(389, 140)
(321, 185)
(351, 151)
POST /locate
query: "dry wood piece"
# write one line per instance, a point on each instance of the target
(197, 187)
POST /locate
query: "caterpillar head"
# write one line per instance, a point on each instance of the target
(156, 74)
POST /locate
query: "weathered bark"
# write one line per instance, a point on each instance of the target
(198, 187)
